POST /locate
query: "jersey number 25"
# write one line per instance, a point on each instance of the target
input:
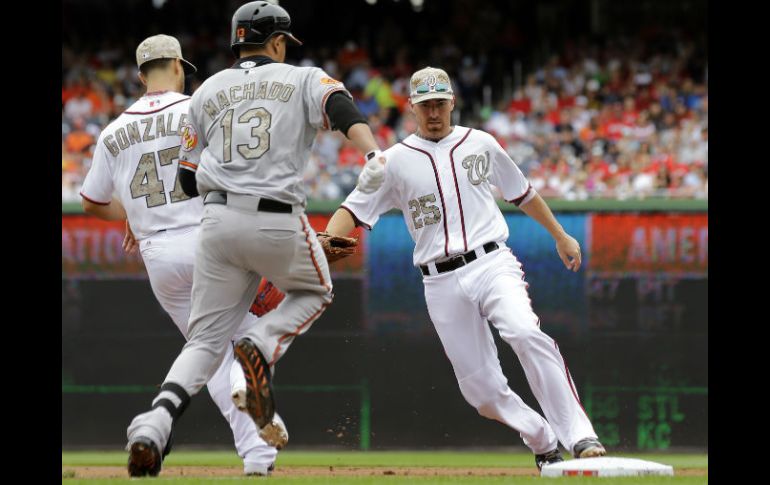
(424, 213)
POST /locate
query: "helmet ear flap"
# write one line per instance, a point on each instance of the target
(239, 36)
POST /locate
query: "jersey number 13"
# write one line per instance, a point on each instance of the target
(260, 132)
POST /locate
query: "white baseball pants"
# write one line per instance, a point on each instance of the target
(492, 289)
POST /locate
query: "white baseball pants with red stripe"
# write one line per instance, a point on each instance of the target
(169, 257)
(492, 289)
(236, 245)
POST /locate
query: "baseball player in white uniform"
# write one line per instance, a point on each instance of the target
(136, 160)
(247, 142)
(441, 178)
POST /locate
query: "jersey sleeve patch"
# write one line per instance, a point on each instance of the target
(189, 138)
(328, 80)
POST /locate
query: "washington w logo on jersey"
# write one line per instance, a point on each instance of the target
(478, 167)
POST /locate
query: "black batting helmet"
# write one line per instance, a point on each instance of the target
(255, 22)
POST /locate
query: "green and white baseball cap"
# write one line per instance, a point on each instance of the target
(430, 83)
(162, 46)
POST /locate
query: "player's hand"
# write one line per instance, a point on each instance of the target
(373, 174)
(569, 252)
(129, 242)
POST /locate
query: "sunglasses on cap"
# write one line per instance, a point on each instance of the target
(436, 88)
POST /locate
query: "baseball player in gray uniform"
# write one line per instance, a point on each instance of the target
(441, 178)
(247, 142)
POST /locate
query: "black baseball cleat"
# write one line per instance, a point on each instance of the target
(144, 458)
(259, 389)
(553, 456)
(588, 448)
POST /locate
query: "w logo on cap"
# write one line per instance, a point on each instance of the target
(430, 83)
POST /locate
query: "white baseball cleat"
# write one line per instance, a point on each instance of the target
(258, 469)
(275, 432)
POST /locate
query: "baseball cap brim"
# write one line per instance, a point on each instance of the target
(188, 67)
(419, 98)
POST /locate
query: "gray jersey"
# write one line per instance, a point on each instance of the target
(251, 128)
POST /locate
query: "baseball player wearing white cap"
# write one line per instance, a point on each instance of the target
(135, 158)
(247, 142)
(441, 178)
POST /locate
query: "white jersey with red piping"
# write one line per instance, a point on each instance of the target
(135, 159)
(444, 191)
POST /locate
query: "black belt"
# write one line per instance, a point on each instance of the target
(458, 261)
(265, 205)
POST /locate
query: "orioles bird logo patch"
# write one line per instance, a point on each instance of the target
(189, 138)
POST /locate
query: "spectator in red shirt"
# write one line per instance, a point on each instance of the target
(629, 111)
(520, 102)
(71, 89)
(351, 56)
(613, 124)
(349, 155)
(597, 166)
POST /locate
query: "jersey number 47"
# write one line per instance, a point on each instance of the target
(146, 183)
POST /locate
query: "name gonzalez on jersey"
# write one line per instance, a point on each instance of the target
(129, 134)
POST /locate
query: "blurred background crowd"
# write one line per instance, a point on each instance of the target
(598, 111)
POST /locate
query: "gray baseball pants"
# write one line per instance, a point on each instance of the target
(238, 243)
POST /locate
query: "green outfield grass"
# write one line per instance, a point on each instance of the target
(384, 460)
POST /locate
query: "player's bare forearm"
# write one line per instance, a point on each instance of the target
(361, 136)
(567, 246)
(538, 210)
(341, 223)
(113, 211)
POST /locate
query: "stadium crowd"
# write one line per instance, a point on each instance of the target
(620, 120)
